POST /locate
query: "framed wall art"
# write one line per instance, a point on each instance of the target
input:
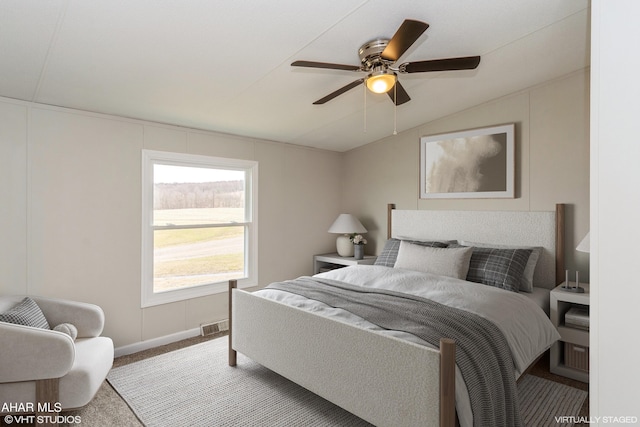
(471, 164)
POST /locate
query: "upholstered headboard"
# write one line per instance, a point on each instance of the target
(523, 228)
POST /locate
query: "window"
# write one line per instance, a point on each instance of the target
(199, 226)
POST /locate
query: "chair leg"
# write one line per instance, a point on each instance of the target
(46, 398)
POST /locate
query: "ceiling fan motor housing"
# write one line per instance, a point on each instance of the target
(370, 54)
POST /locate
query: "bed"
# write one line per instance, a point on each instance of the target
(391, 377)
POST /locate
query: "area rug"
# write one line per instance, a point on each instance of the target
(195, 386)
(545, 403)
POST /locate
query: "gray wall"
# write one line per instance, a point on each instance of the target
(70, 185)
(552, 162)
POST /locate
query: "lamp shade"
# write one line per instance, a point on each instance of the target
(584, 245)
(347, 224)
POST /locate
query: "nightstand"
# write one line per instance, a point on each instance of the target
(570, 355)
(326, 262)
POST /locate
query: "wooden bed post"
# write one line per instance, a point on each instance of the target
(233, 284)
(447, 382)
(390, 208)
(560, 268)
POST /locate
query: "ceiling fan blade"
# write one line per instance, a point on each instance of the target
(462, 63)
(311, 64)
(402, 40)
(398, 94)
(339, 92)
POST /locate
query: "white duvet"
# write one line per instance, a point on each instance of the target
(526, 327)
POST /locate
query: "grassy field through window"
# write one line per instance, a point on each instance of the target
(197, 256)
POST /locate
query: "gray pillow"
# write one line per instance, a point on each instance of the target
(451, 262)
(389, 254)
(26, 313)
(502, 268)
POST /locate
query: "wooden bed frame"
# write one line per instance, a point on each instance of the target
(379, 378)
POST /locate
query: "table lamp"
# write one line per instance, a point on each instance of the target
(345, 225)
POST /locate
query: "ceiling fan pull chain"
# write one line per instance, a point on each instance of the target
(395, 109)
(365, 108)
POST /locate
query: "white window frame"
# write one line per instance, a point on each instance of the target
(152, 157)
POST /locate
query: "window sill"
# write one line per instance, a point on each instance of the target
(178, 295)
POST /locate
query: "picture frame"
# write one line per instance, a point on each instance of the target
(471, 164)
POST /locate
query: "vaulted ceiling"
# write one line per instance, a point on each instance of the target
(224, 65)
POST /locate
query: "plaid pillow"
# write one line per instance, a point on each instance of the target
(502, 268)
(389, 254)
(26, 313)
(529, 271)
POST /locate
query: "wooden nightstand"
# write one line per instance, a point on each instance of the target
(326, 262)
(570, 355)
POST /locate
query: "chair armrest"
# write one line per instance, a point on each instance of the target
(87, 318)
(28, 354)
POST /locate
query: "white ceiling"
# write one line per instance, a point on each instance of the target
(224, 65)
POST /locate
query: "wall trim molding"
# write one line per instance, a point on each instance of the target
(155, 342)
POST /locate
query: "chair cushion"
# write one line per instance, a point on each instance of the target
(26, 313)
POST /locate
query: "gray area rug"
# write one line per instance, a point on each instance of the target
(195, 386)
(546, 403)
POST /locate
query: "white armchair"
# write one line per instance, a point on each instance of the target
(41, 365)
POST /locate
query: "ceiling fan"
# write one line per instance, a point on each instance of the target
(378, 58)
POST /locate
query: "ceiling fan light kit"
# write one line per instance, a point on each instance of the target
(378, 58)
(381, 81)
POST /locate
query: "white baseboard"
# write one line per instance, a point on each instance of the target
(155, 342)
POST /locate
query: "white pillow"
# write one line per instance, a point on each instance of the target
(527, 281)
(452, 262)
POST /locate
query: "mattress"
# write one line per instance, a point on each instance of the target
(541, 297)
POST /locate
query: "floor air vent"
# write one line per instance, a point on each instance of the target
(212, 328)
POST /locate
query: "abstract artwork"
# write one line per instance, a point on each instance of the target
(477, 163)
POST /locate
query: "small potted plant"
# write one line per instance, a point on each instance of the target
(358, 245)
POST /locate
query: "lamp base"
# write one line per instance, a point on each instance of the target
(344, 245)
(576, 289)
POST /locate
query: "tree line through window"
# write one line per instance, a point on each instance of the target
(223, 194)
